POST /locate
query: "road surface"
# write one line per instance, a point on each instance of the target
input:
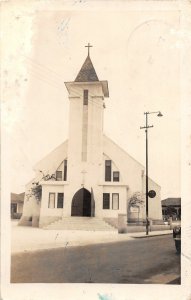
(144, 260)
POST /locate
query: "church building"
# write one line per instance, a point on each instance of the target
(88, 175)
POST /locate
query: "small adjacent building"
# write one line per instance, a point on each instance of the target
(88, 175)
(171, 207)
(17, 201)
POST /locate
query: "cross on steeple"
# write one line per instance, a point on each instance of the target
(83, 177)
(88, 46)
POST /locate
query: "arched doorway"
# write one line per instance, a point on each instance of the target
(81, 203)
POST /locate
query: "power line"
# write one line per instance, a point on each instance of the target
(41, 66)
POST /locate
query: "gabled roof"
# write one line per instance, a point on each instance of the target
(87, 72)
(17, 197)
(52, 160)
(171, 201)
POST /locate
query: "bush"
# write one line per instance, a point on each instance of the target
(136, 200)
(16, 215)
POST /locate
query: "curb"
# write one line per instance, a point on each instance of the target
(147, 236)
(175, 281)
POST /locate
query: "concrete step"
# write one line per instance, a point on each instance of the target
(112, 222)
(80, 223)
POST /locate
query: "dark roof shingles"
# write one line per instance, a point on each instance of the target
(171, 201)
(87, 72)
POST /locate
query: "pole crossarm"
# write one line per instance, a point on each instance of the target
(151, 112)
(145, 127)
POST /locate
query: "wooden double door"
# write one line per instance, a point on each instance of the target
(82, 203)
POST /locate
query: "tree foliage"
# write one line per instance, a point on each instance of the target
(36, 189)
(171, 211)
(136, 199)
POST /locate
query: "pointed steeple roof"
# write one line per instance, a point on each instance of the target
(87, 72)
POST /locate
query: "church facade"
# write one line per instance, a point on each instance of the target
(92, 176)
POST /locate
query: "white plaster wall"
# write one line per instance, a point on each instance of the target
(48, 165)
(75, 132)
(76, 115)
(50, 162)
(131, 174)
(94, 131)
(122, 191)
(31, 206)
(95, 126)
(61, 167)
(69, 192)
(51, 187)
(130, 169)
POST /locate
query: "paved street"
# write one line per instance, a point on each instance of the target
(144, 260)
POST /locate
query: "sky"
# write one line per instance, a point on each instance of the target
(136, 51)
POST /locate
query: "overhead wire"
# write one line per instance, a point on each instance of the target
(43, 73)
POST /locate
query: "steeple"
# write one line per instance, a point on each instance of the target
(87, 72)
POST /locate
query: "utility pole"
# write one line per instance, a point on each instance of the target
(146, 127)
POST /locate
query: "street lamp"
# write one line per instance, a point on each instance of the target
(146, 127)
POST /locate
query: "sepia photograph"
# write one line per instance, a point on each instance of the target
(92, 122)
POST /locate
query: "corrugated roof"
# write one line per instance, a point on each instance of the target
(87, 72)
(171, 201)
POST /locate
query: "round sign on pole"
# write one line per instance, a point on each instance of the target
(151, 194)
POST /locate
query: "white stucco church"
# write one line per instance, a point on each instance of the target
(94, 177)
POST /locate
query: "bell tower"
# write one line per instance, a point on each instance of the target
(86, 96)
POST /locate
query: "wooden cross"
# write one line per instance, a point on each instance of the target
(83, 174)
(88, 46)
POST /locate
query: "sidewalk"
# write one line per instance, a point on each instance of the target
(25, 239)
